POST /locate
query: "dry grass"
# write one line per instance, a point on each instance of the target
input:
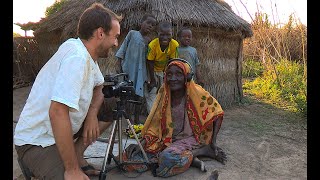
(285, 42)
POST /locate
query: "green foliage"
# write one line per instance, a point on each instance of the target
(251, 68)
(16, 34)
(283, 85)
(293, 84)
(261, 20)
(28, 26)
(54, 8)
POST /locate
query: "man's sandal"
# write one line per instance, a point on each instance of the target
(89, 170)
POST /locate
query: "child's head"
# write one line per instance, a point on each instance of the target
(148, 23)
(185, 36)
(165, 33)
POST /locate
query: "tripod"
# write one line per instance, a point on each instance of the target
(118, 114)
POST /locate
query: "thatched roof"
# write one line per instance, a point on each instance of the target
(201, 13)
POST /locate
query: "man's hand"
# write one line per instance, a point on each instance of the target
(91, 126)
(90, 129)
(200, 82)
(151, 85)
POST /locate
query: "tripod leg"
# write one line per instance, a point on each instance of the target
(136, 137)
(111, 146)
(120, 141)
(103, 173)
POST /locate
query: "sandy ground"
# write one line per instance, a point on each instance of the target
(261, 142)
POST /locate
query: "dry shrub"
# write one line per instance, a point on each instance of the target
(275, 40)
(26, 61)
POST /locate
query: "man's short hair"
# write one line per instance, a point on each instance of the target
(94, 17)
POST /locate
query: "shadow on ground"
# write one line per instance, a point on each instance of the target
(260, 140)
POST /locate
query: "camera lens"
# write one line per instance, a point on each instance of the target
(108, 91)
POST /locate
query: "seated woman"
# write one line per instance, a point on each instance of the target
(182, 125)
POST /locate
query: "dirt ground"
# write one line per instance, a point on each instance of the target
(261, 142)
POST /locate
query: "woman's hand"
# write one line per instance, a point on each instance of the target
(219, 154)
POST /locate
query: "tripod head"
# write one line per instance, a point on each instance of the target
(119, 111)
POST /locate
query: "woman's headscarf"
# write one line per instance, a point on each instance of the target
(202, 110)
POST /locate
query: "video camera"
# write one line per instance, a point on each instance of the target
(115, 87)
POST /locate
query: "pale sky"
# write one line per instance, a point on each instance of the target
(25, 11)
(277, 10)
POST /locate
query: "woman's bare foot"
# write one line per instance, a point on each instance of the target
(208, 151)
(214, 175)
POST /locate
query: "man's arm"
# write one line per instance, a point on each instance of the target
(150, 65)
(91, 126)
(62, 131)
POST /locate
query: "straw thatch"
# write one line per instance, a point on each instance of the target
(218, 35)
(208, 13)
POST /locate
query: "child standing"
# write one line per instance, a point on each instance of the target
(189, 53)
(132, 55)
(160, 50)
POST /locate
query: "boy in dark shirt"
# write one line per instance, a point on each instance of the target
(189, 53)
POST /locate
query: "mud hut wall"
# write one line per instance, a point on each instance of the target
(219, 57)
